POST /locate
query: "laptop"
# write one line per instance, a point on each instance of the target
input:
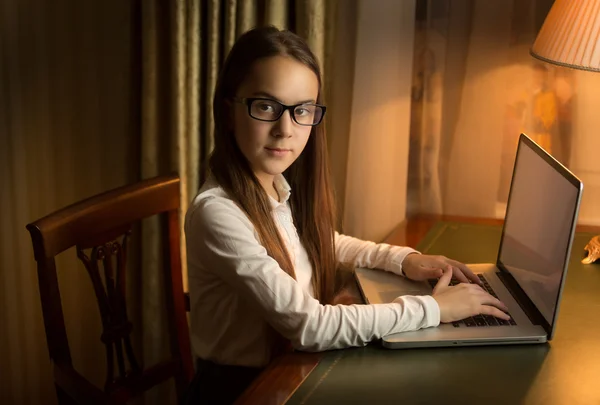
(530, 270)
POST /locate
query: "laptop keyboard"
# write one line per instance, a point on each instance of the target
(478, 320)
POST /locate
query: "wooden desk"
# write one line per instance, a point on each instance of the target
(279, 381)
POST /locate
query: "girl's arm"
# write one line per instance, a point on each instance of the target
(372, 255)
(222, 240)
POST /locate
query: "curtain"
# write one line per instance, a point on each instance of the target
(475, 89)
(68, 130)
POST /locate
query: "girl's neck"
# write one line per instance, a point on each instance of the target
(268, 184)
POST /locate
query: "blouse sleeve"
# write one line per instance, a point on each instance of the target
(370, 254)
(226, 242)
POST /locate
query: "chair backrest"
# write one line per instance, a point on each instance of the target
(102, 225)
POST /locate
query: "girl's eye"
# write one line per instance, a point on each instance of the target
(265, 107)
(303, 111)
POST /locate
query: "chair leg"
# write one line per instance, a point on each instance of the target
(182, 387)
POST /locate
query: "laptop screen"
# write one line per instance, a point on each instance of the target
(539, 225)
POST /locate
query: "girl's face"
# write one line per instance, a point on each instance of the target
(271, 147)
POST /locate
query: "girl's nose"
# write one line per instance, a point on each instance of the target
(284, 125)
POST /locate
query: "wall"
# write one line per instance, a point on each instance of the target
(375, 195)
(586, 144)
(474, 166)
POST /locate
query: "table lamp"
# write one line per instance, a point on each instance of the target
(570, 37)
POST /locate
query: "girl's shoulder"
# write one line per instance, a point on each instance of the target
(211, 203)
(211, 191)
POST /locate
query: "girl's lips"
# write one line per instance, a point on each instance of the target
(277, 151)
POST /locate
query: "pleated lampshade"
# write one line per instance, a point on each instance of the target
(570, 35)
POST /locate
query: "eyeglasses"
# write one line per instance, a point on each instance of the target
(266, 109)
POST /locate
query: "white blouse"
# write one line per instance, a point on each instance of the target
(237, 290)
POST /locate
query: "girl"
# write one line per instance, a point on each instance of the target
(262, 249)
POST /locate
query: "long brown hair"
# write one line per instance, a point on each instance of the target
(311, 201)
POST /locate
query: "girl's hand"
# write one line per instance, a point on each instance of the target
(464, 300)
(422, 267)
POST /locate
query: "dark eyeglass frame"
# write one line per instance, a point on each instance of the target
(249, 100)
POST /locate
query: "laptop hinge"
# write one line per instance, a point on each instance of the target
(534, 315)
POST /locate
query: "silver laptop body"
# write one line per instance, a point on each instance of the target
(530, 269)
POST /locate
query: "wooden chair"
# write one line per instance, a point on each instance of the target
(103, 224)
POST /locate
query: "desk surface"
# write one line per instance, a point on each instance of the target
(570, 372)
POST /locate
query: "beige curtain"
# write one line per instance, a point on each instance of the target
(475, 89)
(169, 143)
(68, 130)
